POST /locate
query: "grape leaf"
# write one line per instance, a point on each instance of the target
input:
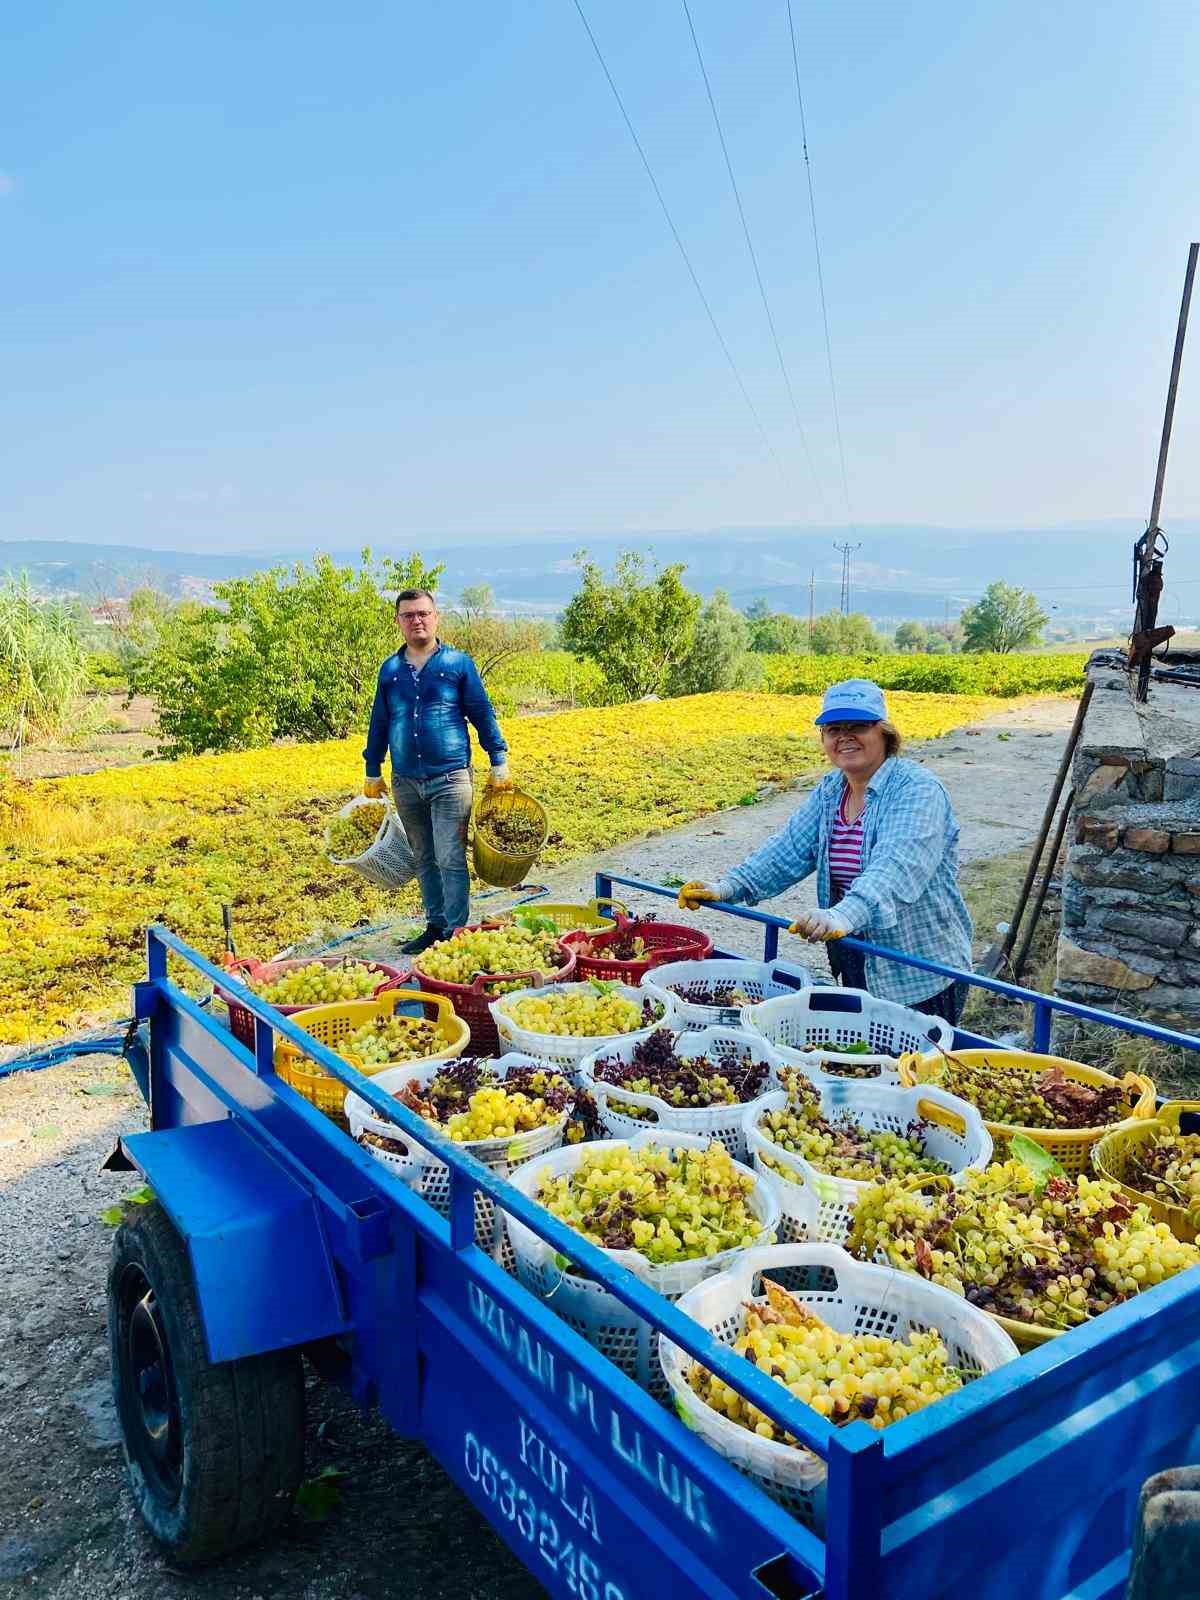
(317, 1497)
(1039, 1161)
(672, 881)
(140, 1197)
(112, 1216)
(604, 986)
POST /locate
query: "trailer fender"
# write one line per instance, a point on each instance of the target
(263, 1273)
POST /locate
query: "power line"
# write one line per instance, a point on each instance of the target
(687, 260)
(812, 212)
(753, 256)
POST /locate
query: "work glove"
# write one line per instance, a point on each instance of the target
(820, 926)
(694, 893)
(498, 777)
(374, 788)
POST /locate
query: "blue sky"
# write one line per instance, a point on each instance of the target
(287, 273)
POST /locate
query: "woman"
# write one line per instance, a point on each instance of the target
(881, 836)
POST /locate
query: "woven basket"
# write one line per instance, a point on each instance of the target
(249, 971)
(1071, 1147)
(498, 867)
(664, 941)
(1111, 1157)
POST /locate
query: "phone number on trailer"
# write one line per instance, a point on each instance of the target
(576, 1568)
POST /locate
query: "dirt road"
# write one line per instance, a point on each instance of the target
(67, 1530)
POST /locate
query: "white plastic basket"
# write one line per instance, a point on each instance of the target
(852, 1297)
(429, 1175)
(757, 980)
(951, 1131)
(826, 1018)
(603, 1320)
(568, 1050)
(724, 1122)
(387, 860)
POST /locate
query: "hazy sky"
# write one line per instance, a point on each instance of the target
(279, 272)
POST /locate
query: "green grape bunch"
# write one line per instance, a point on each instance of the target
(472, 1102)
(1049, 1252)
(846, 1377)
(317, 983)
(1017, 1098)
(350, 835)
(470, 951)
(597, 1012)
(390, 1039)
(670, 1204)
(839, 1147)
(1167, 1167)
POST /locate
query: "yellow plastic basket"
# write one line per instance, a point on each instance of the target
(332, 1025)
(566, 918)
(1070, 1147)
(1111, 1160)
(496, 866)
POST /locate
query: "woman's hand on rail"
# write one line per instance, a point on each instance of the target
(695, 892)
(819, 926)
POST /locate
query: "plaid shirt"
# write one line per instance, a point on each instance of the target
(906, 895)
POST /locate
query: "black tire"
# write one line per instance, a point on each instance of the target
(215, 1453)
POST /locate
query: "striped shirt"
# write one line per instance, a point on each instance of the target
(845, 847)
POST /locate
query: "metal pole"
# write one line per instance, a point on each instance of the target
(1043, 888)
(1173, 386)
(1085, 700)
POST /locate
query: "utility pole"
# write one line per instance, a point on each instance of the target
(847, 551)
(812, 599)
(1150, 549)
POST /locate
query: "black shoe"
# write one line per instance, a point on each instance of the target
(432, 934)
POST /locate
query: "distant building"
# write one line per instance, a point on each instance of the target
(110, 613)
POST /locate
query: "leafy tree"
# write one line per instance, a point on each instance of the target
(937, 644)
(912, 638)
(289, 653)
(836, 635)
(488, 638)
(720, 656)
(637, 628)
(758, 610)
(777, 632)
(1006, 619)
(951, 632)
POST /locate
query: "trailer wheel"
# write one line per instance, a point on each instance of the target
(215, 1452)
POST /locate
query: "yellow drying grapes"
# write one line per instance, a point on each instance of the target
(393, 1039)
(671, 1204)
(579, 1013)
(489, 950)
(350, 835)
(315, 984)
(846, 1377)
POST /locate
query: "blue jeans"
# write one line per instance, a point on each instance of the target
(434, 813)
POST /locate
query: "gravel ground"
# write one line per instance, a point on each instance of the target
(67, 1528)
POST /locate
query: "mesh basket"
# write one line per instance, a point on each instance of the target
(852, 1297)
(757, 980)
(950, 1130)
(333, 1025)
(495, 865)
(568, 1050)
(429, 1175)
(724, 1122)
(663, 941)
(1113, 1156)
(387, 860)
(830, 1019)
(241, 1019)
(1071, 1147)
(602, 1319)
(473, 1001)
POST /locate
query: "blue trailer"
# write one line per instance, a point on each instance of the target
(274, 1236)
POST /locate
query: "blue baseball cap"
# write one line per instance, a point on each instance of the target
(856, 700)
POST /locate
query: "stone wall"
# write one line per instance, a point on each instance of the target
(1130, 937)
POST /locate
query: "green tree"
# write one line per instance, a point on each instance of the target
(474, 625)
(720, 656)
(636, 628)
(911, 638)
(776, 632)
(289, 653)
(1005, 619)
(836, 635)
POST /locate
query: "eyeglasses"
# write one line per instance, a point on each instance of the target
(845, 727)
(412, 616)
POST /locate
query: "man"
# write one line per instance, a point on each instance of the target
(425, 696)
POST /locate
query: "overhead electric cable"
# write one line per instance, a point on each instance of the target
(753, 256)
(687, 260)
(812, 212)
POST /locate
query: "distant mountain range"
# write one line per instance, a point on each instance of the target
(899, 572)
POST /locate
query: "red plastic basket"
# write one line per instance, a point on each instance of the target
(241, 1020)
(472, 1001)
(664, 941)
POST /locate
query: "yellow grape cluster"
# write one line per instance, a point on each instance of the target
(393, 1039)
(578, 1013)
(671, 1204)
(846, 1377)
(499, 1113)
(314, 984)
(489, 950)
(840, 1147)
(350, 835)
